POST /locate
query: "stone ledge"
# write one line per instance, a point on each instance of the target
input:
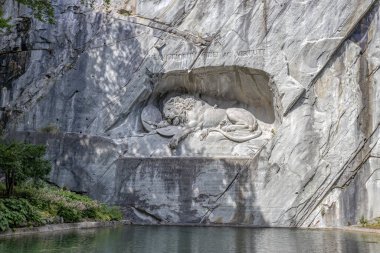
(360, 229)
(348, 229)
(62, 227)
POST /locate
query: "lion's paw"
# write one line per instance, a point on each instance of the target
(228, 128)
(173, 143)
(203, 135)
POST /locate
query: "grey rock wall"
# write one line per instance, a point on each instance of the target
(91, 74)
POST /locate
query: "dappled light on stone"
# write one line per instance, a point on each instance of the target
(262, 113)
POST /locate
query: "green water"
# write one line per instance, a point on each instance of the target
(149, 239)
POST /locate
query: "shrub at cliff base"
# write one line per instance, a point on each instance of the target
(26, 200)
(31, 206)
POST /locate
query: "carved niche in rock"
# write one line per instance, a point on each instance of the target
(209, 112)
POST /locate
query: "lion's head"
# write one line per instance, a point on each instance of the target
(176, 108)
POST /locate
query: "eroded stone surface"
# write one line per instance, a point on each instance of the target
(306, 70)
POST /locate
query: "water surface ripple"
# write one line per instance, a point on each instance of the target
(170, 239)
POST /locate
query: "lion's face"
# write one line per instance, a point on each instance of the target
(176, 108)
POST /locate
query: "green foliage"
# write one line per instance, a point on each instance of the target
(363, 221)
(124, 12)
(19, 161)
(69, 214)
(42, 9)
(33, 206)
(103, 213)
(113, 212)
(50, 129)
(16, 213)
(374, 223)
(4, 23)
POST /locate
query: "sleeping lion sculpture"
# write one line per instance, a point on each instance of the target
(184, 114)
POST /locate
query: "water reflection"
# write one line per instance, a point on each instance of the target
(194, 240)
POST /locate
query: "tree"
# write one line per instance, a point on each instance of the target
(19, 161)
(42, 10)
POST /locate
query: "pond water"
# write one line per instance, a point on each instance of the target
(170, 239)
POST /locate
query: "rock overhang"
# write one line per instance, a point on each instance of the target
(248, 87)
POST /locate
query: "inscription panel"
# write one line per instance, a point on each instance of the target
(260, 52)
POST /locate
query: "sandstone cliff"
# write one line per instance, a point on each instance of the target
(90, 85)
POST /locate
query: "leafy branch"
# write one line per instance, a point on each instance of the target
(4, 23)
(19, 162)
(42, 10)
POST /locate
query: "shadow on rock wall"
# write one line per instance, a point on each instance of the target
(86, 98)
(188, 190)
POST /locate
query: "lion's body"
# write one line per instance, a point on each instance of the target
(194, 114)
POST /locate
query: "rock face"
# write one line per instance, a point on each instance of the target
(151, 100)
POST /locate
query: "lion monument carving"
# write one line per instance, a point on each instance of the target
(184, 114)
